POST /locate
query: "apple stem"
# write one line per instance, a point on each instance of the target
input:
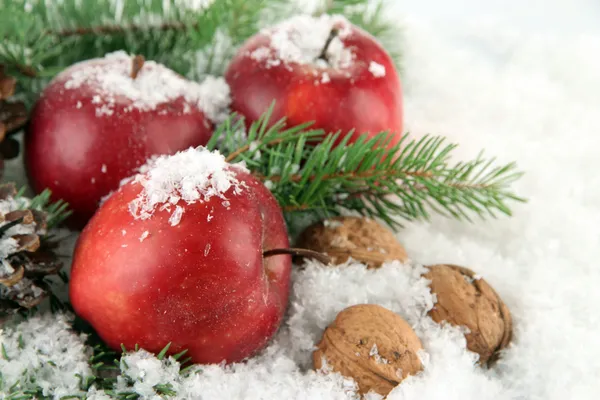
(323, 56)
(136, 65)
(299, 252)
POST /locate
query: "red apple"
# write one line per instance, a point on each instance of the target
(192, 274)
(101, 119)
(322, 70)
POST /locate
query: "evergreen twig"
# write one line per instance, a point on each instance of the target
(34, 34)
(408, 180)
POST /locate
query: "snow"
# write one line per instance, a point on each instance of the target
(301, 40)
(374, 352)
(524, 95)
(176, 216)
(144, 236)
(191, 176)
(155, 85)
(376, 69)
(332, 223)
(8, 246)
(30, 349)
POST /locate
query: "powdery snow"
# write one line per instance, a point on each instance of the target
(301, 40)
(376, 69)
(154, 85)
(191, 176)
(29, 351)
(524, 97)
(144, 236)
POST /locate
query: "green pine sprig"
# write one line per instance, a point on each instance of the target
(39, 38)
(409, 180)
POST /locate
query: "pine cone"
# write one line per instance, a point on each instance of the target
(13, 116)
(25, 259)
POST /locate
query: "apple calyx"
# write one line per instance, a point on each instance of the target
(137, 63)
(322, 258)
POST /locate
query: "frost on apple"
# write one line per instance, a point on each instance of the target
(376, 69)
(154, 85)
(144, 236)
(304, 39)
(191, 176)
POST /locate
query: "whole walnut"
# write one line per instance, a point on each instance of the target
(360, 238)
(372, 345)
(463, 299)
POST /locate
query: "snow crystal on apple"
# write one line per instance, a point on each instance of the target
(154, 86)
(191, 176)
(176, 216)
(376, 69)
(304, 39)
(144, 236)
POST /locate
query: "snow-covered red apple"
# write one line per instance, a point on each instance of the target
(322, 70)
(99, 120)
(175, 255)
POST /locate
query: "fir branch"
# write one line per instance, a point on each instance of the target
(114, 29)
(38, 38)
(409, 180)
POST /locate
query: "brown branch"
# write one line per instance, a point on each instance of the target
(26, 70)
(291, 208)
(371, 192)
(242, 149)
(120, 29)
(341, 175)
(32, 72)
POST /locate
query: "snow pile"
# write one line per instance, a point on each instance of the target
(284, 369)
(302, 40)
(43, 352)
(269, 376)
(524, 97)
(488, 86)
(193, 175)
(155, 85)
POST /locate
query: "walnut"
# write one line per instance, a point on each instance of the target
(360, 238)
(372, 345)
(465, 300)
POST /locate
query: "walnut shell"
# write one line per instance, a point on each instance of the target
(372, 345)
(464, 300)
(360, 238)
